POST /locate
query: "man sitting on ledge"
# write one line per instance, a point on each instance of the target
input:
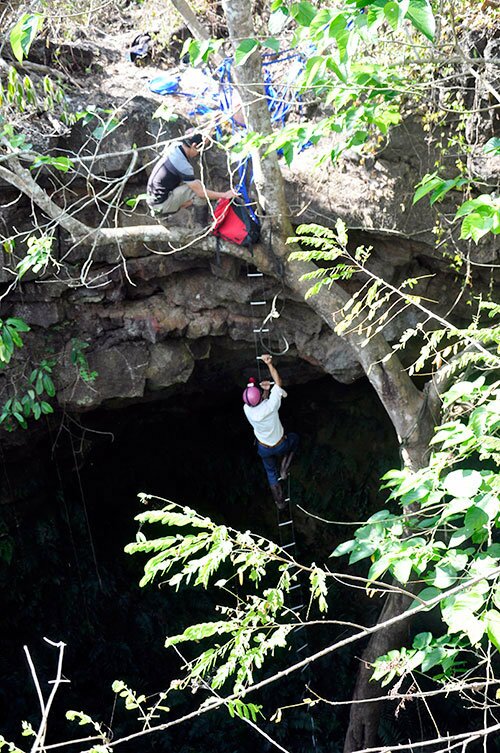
(172, 185)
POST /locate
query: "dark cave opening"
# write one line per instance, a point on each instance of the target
(69, 579)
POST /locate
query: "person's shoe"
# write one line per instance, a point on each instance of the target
(278, 496)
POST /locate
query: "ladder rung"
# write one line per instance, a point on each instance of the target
(258, 303)
(299, 606)
(255, 274)
(297, 585)
(260, 330)
(286, 523)
(287, 546)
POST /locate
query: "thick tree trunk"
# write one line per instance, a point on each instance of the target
(267, 174)
(364, 717)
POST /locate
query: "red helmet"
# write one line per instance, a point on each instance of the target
(252, 394)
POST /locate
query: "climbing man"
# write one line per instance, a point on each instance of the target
(172, 185)
(261, 408)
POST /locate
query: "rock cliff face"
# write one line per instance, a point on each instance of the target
(148, 314)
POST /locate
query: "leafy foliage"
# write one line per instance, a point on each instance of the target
(17, 409)
(445, 536)
(480, 215)
(20, 98)
(10, 337)
(79, 359)
(38, 255)
(254, 627)
(364, 93)
(376, 303)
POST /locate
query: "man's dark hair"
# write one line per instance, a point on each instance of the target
(195, 140)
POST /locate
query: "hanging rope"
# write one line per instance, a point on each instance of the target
(274, 314)
(87, 521)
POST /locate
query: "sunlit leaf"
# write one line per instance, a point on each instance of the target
(244, 50)
(420, 14)
(23, 34)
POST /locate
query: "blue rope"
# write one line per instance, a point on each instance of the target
(279, 101)
(241, 187)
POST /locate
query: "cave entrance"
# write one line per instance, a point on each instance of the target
(68, 577)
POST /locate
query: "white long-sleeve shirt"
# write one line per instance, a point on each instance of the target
(265, 419)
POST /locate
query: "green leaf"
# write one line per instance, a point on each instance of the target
(475, 226)
(343, 548)
(392, 13)
(20, 419)
(340, 31)
(48, 385)
(445, 576)
(427, 184)
(459, 536)
(23, 34)
(496, 595)
(422, 640)
(492, 617)
(446, 186)
(402, 570)
(474, 628)
(134, 200)
(63, 164)
(200, 631)
(492, 146)
(106, 128)
(381, 514)
(479, 421)
(420, 14)
(461, 389)
(463, 483)
(362, 550)
(303, 13)
(458, 612)
(425, 595)
(475, 519)
(483, 205)
(433, 657)
(7, 340)
(19, 324)
(378, 568)
(244, 50)
(272, 43)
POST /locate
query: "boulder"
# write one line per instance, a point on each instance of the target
(170, 363)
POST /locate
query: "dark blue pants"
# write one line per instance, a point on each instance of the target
(269, 455)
